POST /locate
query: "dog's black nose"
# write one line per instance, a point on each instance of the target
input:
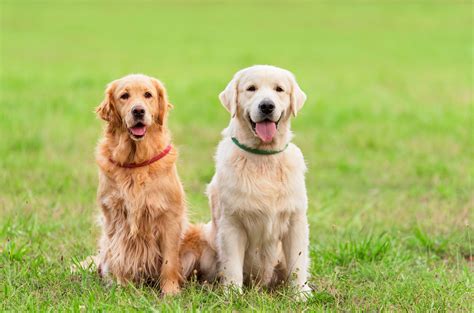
(138, 111)
(266, 106)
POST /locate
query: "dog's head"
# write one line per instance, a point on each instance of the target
(263, 97)
(134, 103)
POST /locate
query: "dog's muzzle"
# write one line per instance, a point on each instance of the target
(138, 130)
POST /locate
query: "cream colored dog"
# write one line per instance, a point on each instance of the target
(258, 196)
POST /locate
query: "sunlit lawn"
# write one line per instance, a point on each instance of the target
(387, 133)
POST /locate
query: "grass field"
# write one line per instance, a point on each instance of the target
(387, 133)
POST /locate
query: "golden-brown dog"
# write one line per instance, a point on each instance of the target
(140, 194)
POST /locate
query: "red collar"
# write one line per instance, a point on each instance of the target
(161, 155)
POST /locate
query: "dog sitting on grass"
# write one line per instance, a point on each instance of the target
(140, 194)
(259, 230)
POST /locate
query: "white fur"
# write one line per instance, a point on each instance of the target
(259, 202)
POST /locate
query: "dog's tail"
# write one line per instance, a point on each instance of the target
(197, 252)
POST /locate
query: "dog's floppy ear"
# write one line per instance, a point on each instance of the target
(106, 109)
(298, 97)
(230, 96)
(163, 104)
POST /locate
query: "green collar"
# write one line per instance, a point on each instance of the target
(256, 151)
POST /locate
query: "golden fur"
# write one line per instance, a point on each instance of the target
(198, 256)
(142, 209)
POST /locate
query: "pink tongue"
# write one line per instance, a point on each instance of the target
(138, 130)
(266, 130)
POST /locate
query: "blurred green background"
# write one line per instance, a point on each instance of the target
(387, 133)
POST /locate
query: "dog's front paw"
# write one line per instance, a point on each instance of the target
(170, 288)
(233, 289)
(303, 293)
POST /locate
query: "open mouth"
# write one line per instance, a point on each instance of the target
(265, 129)
(138, 130)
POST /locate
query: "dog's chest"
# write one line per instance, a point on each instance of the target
(261, 191)
(128, 186)
(265, 228)
(137, 196)
(268, 186)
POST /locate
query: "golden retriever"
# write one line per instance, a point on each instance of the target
(259, 230)
(140, 194)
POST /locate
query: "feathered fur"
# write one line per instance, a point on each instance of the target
(142, 209)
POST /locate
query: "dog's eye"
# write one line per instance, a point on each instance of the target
(125, 96)
(278, 89)
(148, 95)
(251, 88)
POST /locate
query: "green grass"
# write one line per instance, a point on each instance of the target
(387, 133)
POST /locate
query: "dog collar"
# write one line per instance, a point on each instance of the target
(159, 156)
(256, 151)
